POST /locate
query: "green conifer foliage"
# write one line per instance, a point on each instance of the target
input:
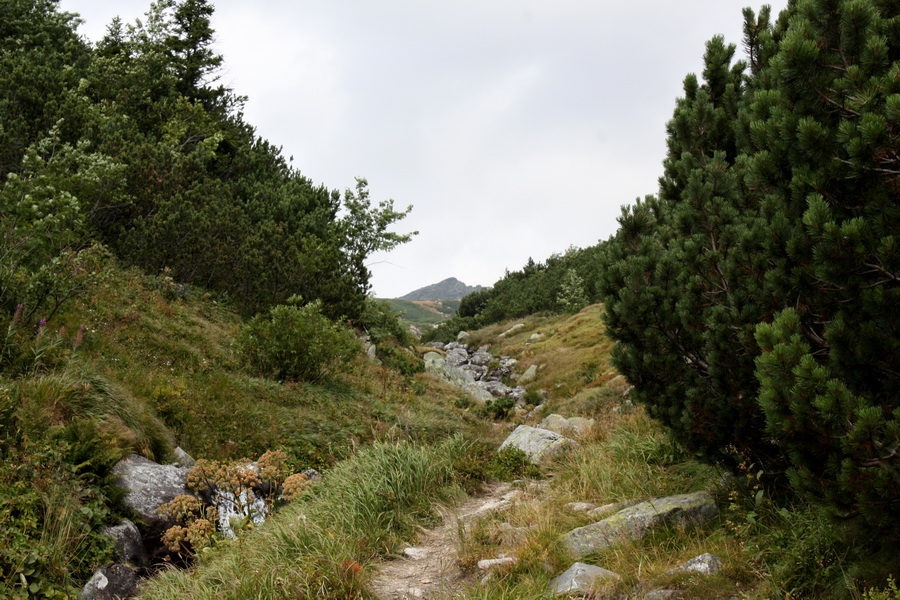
(683, 278)
(830, 369)
(755, 300)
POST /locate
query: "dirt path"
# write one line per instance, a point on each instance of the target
(430, 569)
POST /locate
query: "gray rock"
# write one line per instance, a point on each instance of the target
(457, 357)
(128, 545)
(435, 345)
(707, 564)
(529, 374)
(556, 423)
(495, 388)
(462, 335)
(492, 563)
(580, 506)
(634, 522)
(111, 582)
(580, 578)
(415, 553)
(182, 458)
(512, 329)
(149, 484)
(481, 358)
(312, 475)
(432, 357)
(536, 337)
(459, 378)
(478, 372)
(601, 512)
(539, 444)
(581, 425)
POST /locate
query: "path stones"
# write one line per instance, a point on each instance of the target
(580, 578)
(635, 522)
(539, 444)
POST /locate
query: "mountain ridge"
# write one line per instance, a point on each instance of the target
(448, 289)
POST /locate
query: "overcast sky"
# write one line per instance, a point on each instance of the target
(515, 128)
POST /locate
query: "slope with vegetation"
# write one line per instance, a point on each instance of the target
(166, 277)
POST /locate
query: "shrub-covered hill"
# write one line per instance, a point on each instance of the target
(138, 363)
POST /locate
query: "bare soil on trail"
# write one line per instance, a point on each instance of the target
(430, 569)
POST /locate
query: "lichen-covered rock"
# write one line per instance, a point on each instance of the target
(634, 522)
(579, 579)
(529, 374)
(564, 426)
(111, 582)
(706, 564)
(182, 458)
(128, 545)
(539, 444)
(601, 512)
(149, 484)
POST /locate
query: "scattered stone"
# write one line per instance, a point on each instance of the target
(581, 425)
(512, 329)
(539, 444)
(536, 337)
(481, 358)
(312, 475)
(489, 564)
(529, 374)
(580, 506)
(415, 553)
(111, 582)
(570, 426)
(148, 484)
(706, 564)
(182, 458)
(128, 545)
(634, 522)
(462, 336)
(435, 345)
(579, 579)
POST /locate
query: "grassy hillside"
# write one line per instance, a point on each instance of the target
(139, 364)
(424, 312)
(770, 546)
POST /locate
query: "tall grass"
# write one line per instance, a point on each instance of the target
(321, 546)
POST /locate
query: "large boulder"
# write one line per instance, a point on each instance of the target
(539, 444)
(579, 579)
(128, 545)
(636, 521)
(111, 582)
(563, 426)
(149, 485)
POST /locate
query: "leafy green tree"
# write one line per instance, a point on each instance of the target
(41, 57)
(571, 294)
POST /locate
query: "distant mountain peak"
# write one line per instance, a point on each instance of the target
(448, 289)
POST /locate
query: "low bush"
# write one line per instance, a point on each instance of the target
(296, 343)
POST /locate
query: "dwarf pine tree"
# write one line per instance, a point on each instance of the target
(829, 162)
(755, 300)
(683, 276)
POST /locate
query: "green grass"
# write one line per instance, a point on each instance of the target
(418, 314)
(322, 545)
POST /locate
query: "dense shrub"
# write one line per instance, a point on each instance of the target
(296, 343)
